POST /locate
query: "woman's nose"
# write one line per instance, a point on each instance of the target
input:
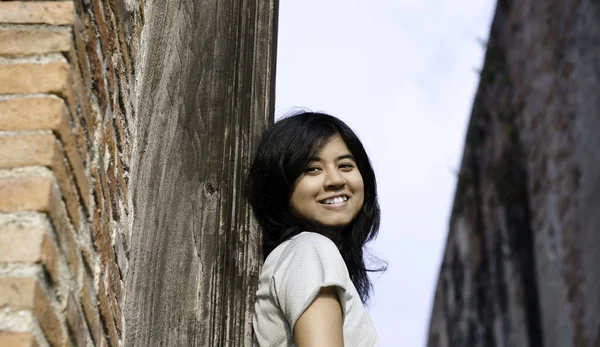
(334, 179)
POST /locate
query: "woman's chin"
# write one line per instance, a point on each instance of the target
(335, 225)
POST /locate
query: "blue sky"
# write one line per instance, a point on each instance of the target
(402, 74)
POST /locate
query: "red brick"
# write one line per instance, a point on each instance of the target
(114, 191)
(100, 20)
(107, 35)
(81, 94)
(38, 12)
(52, 77)
(76, 322)
(107, 317)
(23, 243)
(79, 54)
(108, 259)
(98, 196)
(102, 243)
(17, 339)
(96, 66)
(90, 309)
(140, 10)
(26, 149)
(25, 293)
(119, 43)
(122, 184)
(23, 42)
(122, 134)
(82, 143)
(33, 193)
(109, 137)
(99, 177)
(25, 193)
(28, 78)
(46, 113)
(115, 308)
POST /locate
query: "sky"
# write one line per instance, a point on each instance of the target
(402, 74)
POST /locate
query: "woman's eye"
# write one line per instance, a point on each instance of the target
(346, 166)
(311, 169)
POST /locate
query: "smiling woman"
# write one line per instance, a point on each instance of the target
(313, 191)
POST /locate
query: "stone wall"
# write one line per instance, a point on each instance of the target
(519, 267)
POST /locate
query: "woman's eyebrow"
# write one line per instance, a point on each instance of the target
(341, 157)
(345, 156)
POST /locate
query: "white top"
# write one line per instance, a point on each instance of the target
(292, 276)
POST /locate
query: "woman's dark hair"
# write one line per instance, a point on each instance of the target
(282, 155)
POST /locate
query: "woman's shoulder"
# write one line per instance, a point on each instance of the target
(309, 242)
(310, 237)
(302, 245)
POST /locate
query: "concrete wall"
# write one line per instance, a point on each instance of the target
(519, 265)
(125, 129)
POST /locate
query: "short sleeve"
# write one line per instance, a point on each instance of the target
(308, 263)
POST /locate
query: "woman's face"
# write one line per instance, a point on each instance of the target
(330, 192)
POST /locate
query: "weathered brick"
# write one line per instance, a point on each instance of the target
(25, 293)
(100, 230)
(108, 258)
(17, 339)
(98, 197)
(96, 65)
(99, 177)
(104, 342)
(90, 309)
(46, 113)
(76, 322)
(38, 12)
(28, 78)
(20, 242)
(114, 191)
(24, 149)
(122, 134)
(107, 35)
(23, 42)
(117, 10)
(82, 143)
(34, 113)
(122, 184)
(107, 317)
(74, 96)
(121, 255)
(81, 94)
(79, 54)
(100, 20)
(110, 138)
(115, 308)
(33, 193)
(25, 193)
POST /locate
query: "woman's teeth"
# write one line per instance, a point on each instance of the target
(336, 200)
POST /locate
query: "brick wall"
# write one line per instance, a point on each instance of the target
(520, 264)
(67, 125)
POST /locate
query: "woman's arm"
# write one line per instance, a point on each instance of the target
(321, 323)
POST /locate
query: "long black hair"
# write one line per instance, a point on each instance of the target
(282, 155)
